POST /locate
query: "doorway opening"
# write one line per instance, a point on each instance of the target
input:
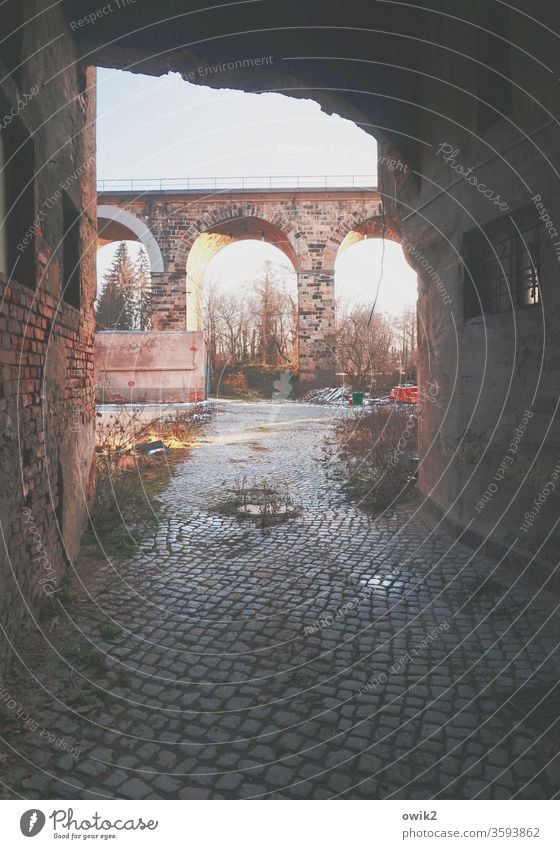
(376, 294)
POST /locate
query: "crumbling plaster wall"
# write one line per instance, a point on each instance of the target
(46, 344)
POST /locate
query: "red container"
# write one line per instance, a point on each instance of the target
(407, 394)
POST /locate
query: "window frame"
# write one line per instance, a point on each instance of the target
(502, 265)
(18, 177)
(71, 254)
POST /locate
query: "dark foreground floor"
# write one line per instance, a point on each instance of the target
(330, 655)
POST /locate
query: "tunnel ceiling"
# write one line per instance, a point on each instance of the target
(367, 60)
(299, 37)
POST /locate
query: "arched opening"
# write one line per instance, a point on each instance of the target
(117, 225)
(249, 317)
(376, 293)
(210, 242)
(285, 620)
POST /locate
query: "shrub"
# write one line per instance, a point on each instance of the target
(373, 453)
(250, 379)
(125, 480)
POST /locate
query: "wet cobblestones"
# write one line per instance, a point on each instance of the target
(331, 655)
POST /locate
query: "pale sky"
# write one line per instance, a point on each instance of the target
(165, 127)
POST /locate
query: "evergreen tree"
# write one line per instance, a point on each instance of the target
(143, 292)
(115, 305)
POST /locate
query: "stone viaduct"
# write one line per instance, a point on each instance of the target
(183, 229)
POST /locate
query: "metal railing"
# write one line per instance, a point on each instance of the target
(199, 184)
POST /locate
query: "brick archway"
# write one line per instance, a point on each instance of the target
(210, 242)
(349, 231)
(227, 225)
(247, 221)
(353, 229)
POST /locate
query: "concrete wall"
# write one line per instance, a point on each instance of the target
(492, 369)
(151, 366)
(46, 343)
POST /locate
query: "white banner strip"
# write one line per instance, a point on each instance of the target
(297, 825)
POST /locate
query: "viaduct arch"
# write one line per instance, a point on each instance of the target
(184, 229)
(116, 224)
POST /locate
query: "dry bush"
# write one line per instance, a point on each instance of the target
(373, 453)
(126, 480)
(177, 429)
(257, 499)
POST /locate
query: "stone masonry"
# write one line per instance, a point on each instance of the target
(310, 226)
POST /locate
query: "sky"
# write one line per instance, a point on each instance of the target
(167, 128)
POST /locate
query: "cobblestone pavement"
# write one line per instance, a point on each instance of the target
(332, 655)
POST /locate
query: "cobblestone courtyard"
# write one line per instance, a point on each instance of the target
(334, 654)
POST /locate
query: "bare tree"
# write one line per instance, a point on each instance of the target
(363, 347)
(369, 345)
(211, 318)
(258, 327)
(405, 340)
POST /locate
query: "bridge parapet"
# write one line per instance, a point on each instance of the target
(243, 184)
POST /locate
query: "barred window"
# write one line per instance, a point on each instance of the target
(17, 198)
(502, 264)
(71, 259)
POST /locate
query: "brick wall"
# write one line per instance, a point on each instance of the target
(46, 344)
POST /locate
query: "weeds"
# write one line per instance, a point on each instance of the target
(127, 481)
(373, 454)
(260, 501)
(88, 655)
(110, 631)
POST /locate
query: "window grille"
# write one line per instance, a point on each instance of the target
(502, 264)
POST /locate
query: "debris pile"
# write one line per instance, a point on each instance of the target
(330, 395)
